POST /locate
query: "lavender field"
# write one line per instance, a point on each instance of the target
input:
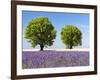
(50, 59)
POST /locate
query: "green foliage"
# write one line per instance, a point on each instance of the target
(40, 31)
(71, 36)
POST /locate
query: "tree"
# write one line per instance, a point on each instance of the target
(71, 36)
(40, 31)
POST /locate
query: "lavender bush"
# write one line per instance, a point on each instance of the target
(50, 59)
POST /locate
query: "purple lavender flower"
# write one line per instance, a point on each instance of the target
(50, 59)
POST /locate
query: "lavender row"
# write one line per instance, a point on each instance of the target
(50, 59)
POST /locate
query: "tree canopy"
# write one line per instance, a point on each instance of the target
(71, 36)
(40, 31)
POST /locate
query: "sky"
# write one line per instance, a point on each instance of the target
(59, 20)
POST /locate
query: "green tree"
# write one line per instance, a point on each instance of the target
(40, 31)
(71, 36)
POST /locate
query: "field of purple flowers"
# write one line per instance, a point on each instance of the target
(50, 59)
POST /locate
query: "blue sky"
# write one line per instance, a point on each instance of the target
(60, 19)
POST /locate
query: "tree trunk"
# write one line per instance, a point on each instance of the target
(70, 47)
(41, 47)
